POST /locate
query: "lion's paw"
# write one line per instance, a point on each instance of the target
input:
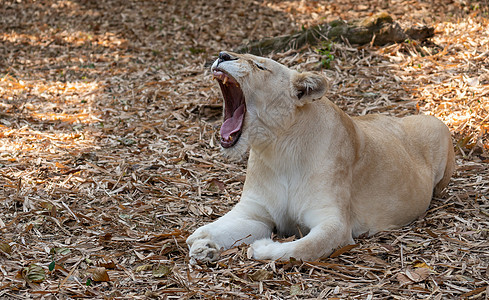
(267, 249)
(203, 251)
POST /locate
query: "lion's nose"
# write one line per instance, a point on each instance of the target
(223, 56)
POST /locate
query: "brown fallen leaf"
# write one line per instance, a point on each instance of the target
(260, 275)
(105, 237)
(343, 250)
(418, 275)
(161, 271)
(374, 260)
(5, 247)
(216, 186)
(295, 289)
(403, 279)
(107, 265)
(143, 268)
(413, 276)
(476, 291)
(99, 274)
(34, 273)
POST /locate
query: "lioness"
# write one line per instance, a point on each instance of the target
(313, 171)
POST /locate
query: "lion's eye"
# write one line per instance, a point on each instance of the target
(261, 67)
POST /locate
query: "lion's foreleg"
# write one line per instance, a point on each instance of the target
(321, 241)
(236, 227)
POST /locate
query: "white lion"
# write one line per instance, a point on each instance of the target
(312, 169)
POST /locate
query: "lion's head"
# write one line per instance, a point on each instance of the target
(260, 98)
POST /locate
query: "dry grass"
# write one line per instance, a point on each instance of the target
(108, 152)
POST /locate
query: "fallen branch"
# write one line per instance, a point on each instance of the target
(379, 29)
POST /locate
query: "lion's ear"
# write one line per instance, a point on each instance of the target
(308, 86)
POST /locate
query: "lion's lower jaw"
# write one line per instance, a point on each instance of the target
(236, 152)
(256, 138)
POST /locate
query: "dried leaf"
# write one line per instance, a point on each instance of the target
(260, 275)
(403, 279)
(200, 210)
(161, 271)
(475, 292)
(47, 205)
(413, 276)
(34, 273)
(107, 265)
(249, 253)
(343, 250)
(422, 264)
(374, 260)
(105, 237)
(143, 268)
(295, 289)
(5, 247)
(60, 251)
(215, 186)
(473, 82)
(194, 210)
(99, 274)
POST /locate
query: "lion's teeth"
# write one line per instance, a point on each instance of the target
(225, 80)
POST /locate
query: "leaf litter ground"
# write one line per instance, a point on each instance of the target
(109, 155)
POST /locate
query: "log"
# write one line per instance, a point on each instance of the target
(379, 29)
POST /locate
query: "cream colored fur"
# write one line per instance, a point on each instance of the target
(315, 171)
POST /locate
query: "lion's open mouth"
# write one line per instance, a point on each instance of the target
(234, 108)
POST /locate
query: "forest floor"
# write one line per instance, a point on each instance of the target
(109, 154)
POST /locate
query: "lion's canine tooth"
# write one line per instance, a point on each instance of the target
(225, 80)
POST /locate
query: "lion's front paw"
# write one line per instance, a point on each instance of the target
(268, 249)
(203, 251)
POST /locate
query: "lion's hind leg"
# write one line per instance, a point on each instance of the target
(449, 169)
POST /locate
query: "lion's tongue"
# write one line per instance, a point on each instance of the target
(233, 124)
